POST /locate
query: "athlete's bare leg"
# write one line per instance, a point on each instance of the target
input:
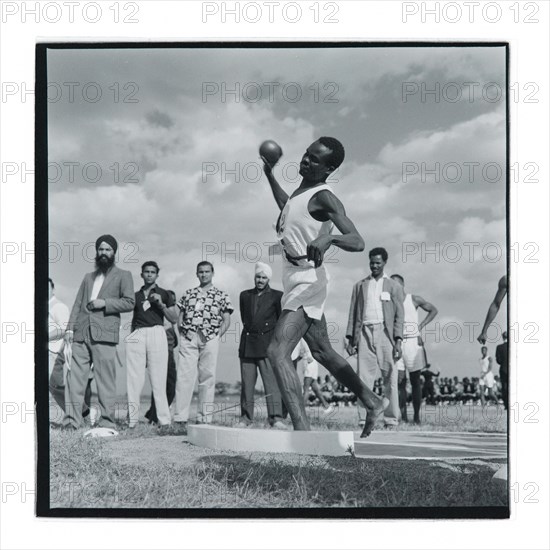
(290, 328)
(319, 344)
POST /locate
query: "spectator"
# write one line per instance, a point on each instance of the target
(458, 389)
(428, 389)
(311, 371)
(468, 390)
(58, 314)
(490, 382)
(93, 332)
(414, 354)
(375, 330)
(171, 373)
(205, 315)
(147, 346)
(484, 367)
(476, 389)
(502, 359)
(260, 308)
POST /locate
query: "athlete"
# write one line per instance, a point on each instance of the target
(304, 229)
(414, 354)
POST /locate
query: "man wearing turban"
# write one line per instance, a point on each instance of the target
(93, 332)
(260, 309)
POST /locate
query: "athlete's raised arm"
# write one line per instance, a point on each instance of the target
(493, 308)
(279, 194)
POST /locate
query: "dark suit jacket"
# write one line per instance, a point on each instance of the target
(258, 329)
(501, 356)
(103, 325)
(394, 313)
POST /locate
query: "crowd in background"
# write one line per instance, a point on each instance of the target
(445, 390)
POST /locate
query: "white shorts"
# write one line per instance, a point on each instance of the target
(413, 356)
(311, 370)
(305, 287)
(488, 381)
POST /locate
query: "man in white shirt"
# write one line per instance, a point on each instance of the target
(57, 324)
(484, 363)
(58, 317)
(375, 331)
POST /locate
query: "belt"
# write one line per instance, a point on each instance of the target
(373, 324)
(249, 332)
(294, 259)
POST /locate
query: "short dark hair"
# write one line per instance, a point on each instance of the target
(51, 283)
(379, 251)
(203, 263)
(338, 153)
(150, 263)
(397, 276)
(504, 334)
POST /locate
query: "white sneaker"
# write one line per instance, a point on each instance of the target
(329, 410)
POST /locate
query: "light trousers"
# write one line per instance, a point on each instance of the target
(197, 356)
(375, 354)
(147, 348)
(103, 357)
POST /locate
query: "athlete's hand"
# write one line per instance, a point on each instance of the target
(316, 249)
(482, 338)
(268, 168)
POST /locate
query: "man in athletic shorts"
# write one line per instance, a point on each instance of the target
(304, 229)
(484, 363)
(413, 358)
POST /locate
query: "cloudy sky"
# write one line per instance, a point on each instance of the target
(171, 148)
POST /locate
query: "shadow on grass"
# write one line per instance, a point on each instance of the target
(84, 473)
(347, 482)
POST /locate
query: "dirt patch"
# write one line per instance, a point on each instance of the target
(153, 451)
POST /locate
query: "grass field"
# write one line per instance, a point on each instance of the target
(139, 469)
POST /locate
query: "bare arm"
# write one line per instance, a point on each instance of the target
(171, 313)
(279, 194)
(493, 308)
(325, 206)
(226, 321)
(426, 306)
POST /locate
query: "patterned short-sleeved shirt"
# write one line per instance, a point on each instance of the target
(203, 311)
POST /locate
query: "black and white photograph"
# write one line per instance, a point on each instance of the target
(276, 277)
(274, 274)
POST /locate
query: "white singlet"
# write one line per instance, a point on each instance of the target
(410, 324)
(303, 284)
(413, 358)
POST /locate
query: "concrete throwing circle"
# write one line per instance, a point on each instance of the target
(431, 445)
